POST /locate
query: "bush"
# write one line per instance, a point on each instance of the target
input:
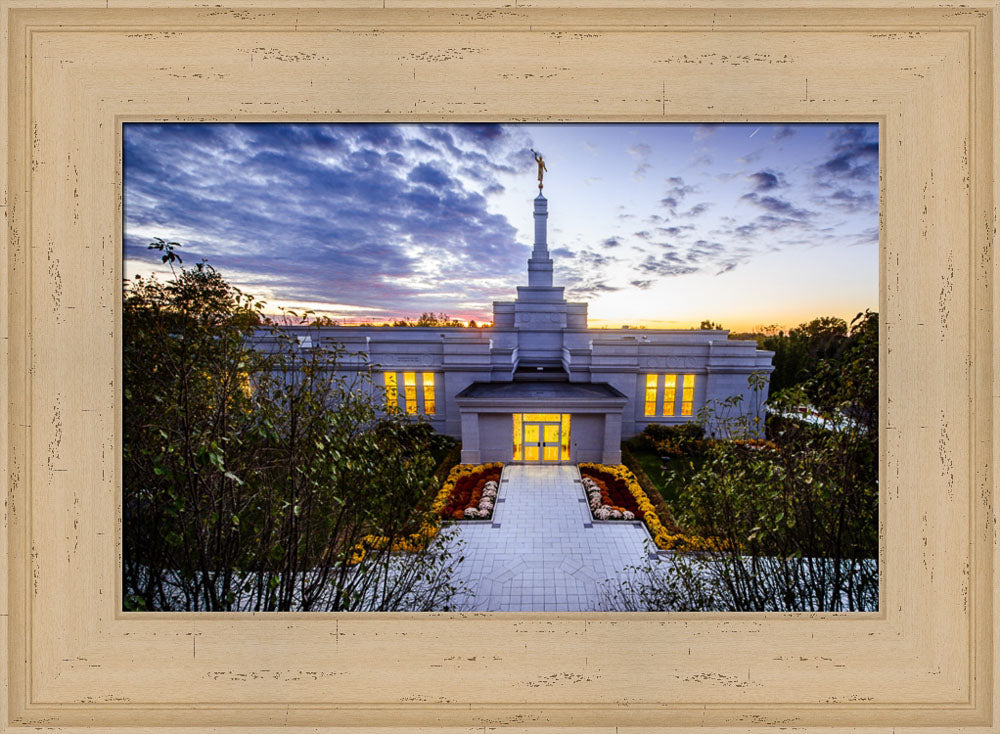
(685, 439)
(450, 460)
(681, 432)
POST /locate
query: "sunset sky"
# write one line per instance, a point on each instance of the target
(654, 224)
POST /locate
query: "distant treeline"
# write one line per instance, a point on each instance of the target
(798, 351)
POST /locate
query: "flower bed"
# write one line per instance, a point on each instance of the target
(621, 492)
(609, 499)
(470, 492)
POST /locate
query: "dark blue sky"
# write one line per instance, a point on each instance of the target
(658, 224)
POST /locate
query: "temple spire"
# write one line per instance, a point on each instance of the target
(540, 264)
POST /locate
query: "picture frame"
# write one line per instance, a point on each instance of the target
(74, 71)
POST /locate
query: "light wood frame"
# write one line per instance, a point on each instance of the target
(74, 70)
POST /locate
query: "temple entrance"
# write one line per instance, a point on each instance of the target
(541, 437)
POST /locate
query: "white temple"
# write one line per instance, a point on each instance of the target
(539, 386)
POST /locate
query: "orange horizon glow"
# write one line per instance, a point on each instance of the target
(741, 324)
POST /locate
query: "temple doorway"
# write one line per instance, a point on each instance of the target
(541, 437)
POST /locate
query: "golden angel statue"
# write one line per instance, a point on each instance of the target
(541, 166)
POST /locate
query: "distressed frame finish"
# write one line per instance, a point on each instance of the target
(75, 70)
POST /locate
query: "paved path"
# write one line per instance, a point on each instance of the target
(542, 552)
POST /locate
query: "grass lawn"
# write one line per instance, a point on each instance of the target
(670, 477)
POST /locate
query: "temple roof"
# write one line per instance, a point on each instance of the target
(541, 391)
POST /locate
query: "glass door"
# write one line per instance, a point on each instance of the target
(542, 437)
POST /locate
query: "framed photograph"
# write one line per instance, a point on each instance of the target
(573, 449)
(93, 638)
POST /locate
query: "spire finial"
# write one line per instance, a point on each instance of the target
(541, 166)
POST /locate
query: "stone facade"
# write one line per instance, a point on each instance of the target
(540, 360)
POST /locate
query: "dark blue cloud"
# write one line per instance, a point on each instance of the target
(852, 201)
(854, 155)
(765, 223)
(764, 180)
(697, 209)
(667, 265)
(777, 206)
(674, 231)
(676, 191)
(426, 173)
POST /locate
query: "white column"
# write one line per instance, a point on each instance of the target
(470, 438)
(612, 439)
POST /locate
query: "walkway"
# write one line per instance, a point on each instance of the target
(542, 552)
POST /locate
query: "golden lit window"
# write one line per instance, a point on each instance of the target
(565, 436)
(669, 393)
(391, 396)
(429, 403)
(517, 436)
(550, 442)
(532, 441)
(687, 395)
(410, 391)
(651, 394)
(542, 417)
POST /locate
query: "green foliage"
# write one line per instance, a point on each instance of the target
(797, 353)
(685, 439)
(847, 384)
(250, 473)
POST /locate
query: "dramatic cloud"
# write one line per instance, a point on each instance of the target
(347, 214)
(379, 220)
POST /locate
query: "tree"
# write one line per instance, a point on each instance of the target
(709, 325)
(255, 478)
(430, 319)
(848, 383)
(797, 353)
